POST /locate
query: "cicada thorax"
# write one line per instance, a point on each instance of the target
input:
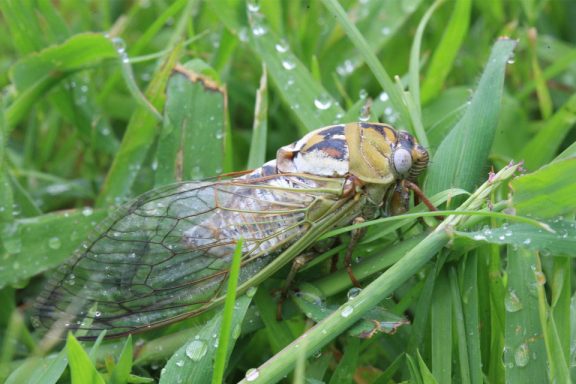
(374, 154)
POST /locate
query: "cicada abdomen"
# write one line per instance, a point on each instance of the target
(165, 256)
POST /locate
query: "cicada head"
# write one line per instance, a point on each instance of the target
(409, 158)
(381, 155)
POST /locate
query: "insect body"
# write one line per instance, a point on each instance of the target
(165, 256)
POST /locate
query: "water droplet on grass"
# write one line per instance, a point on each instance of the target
(252, 374)
(196, 350)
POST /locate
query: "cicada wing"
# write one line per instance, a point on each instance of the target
(165, 256)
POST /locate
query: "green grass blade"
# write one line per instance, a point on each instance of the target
(139, 137)
(547, 192)
(35, 245)
(311, 104)
(257, 154)
(441, 324)
(345, 370)
(524, 350)
(470, 303)
(552, 132)
(445, 53)
(121, 371)
(461, 332)
(191, 145)
(192, 363)
(82, 369)
(461, 157)
(379, 72)
(226, 329)
(414, 70)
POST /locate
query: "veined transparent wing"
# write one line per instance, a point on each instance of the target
(165, 256)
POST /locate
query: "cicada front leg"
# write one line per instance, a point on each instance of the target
(297, 265)
(355, 237)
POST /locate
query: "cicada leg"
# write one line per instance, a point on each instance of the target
(420, 196)
(355, 237)
(297, 264)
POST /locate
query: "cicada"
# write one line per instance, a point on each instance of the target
(165, 256)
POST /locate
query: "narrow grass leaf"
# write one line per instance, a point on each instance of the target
(562, 288)
(427, 376)
(345, 370)
(311, 104)
(138, 138)
(413, 100)
(82, 369)
(460, 325)
(35, 370)
(121, 371)
(278, 332)
(191, 145)
(23, 25)
(368, 54)
(460, 159)
(224, 342)
(378, 22)
(547, 192)
(552, 132)
(524, 349)
(413, 368)
(34, 245)
(470, 302)
(445, 53)
(441, 324)
(257, 154)
(192, 363)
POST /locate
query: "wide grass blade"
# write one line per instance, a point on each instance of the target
(460, 159)
(191, 145)
(547, 192)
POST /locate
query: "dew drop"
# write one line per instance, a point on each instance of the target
(353, 292)
(346, 68)
(527, 241)
(119, 44)
(363, 94)
(180, 363)
(236, 331)
(97, 314)
(253, 6)
(512, 302)
(252, 374)
(196, 350)
(347, 311)
(288, 64)
(282, 46)
(87, 211)
(259, 30)
(54, 243)
(251, 292)
(323, 102)
(384, 97)
(522, 355)
(385, 31)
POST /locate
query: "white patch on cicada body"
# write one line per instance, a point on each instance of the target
(321, 164)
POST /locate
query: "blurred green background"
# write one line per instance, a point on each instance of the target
(104, 100)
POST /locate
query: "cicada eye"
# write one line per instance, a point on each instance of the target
(402, 160)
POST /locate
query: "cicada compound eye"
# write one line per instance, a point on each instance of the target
(402, 160)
